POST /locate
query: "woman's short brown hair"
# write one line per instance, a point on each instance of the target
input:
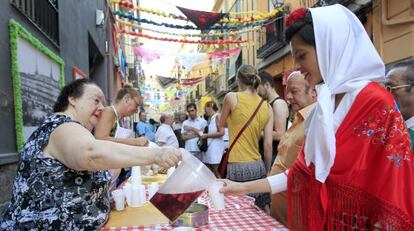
(126, 90)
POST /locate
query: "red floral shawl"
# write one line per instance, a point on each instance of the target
(372, 179)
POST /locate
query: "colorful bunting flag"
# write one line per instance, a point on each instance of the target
(202, 19)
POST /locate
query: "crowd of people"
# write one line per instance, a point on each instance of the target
(345, 162)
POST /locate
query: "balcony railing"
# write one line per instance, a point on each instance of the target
(274, 38)
(44, 14)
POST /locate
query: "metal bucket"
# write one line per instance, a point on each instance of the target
(195, 216)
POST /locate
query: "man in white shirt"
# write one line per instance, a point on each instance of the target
(165, 135)
(400, 82)
(191, 130)
(177, 125)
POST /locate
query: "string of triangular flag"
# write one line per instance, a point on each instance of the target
(189, 27)
(188, 60)
(255, 16)
(214, 34)
(184, 40)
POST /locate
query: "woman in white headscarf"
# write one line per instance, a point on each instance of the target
(356, 170)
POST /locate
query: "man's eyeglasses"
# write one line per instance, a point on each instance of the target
(137, 101)
(391, 88)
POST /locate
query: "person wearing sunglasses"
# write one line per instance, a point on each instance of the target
(400, 82)
(108, 128)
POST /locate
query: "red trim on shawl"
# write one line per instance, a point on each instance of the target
(371, 182)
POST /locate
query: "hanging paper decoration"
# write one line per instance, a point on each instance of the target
(131, 6)
(189, 27)
(122, 62)
(114, 38)
(224, 54)
(202, 19)
(164, 81)
(191, 81)
(255, 16)
(214, 34)
(259, 17)
(188, 61)
(227, 41)
(147, 55)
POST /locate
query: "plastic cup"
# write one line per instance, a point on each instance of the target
(136, 171)
(128, 192)
(136, 180)
(135, 198)
(142, 194)
(216, 196)
(119, 198)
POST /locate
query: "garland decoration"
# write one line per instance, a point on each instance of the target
(255, 16)
(189, 27)
(209, 42)
(216, 34)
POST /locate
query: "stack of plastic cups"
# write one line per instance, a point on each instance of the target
(136, 176)
(136, 182)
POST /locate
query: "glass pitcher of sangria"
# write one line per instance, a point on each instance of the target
(183, 187)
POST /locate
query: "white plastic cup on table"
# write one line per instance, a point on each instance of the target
(216, 196)
(142, 194)
(119, 198)
(128, 192)
(136, 171)
(152, 189)
(136, 180)
(135, 198)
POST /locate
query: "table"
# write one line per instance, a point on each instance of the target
(239, 214)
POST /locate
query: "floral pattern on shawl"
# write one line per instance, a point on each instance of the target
(380, 133)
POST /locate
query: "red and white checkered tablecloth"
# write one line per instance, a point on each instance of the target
(231, 202)
(239, 214)
(242, 219)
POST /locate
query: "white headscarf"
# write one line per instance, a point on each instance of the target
(347, 61)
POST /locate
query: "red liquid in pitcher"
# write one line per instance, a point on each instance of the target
(173, 205)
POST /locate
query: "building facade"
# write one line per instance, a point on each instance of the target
(389, 23)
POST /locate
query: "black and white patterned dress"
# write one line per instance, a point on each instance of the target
(47, 195)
